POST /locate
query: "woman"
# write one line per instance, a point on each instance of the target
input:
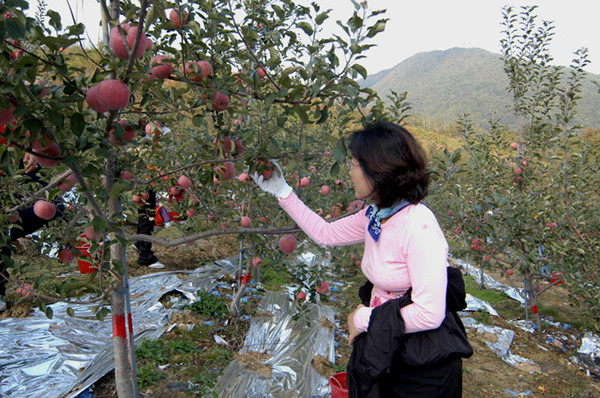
(404, 248)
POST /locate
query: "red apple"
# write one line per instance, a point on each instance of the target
(357, 263)
(154, 129)
(262, 73)
(160, 68)
(486, 258)
(138, 200)
(323, 287)
(184, 182)
(206, 68)
(518, 171)
(245, 222)
(178, 17)
(509, 272)
(287, 243)
(91, 98)
(14, 217)
(301, 296)
(44, 209)
(257, 262)
(514, 146)
(128, 136)
(265, 168)
(113, 94)
(145, 196)
(244, 177)
(6, 114)
(190, 212)
(227, 171)
(52, 149)
(117, 44)
(25, 290)
(336, 211)
(325, 190)
(356, 205)
(304, 181)
(220, 101)
(126, 175)
(175, 191)
(91, 233)
(66, 255)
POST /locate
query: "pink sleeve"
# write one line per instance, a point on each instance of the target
(427, 259)
(362, 318)
(346, 231)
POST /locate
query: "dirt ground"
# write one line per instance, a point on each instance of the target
(486, 375)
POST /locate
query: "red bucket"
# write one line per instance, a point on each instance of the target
(85, 266)
(339, 385)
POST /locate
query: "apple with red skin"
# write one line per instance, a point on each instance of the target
(175, 191)
(287, 243)
(145, 196)
(325, 190)
(25, 291)
(190, 212)
(113, 94)
(262, 73)
(304, 181)
(161, 69)
(245, 222)
(178, 17)
(194, 70)
(184, 182)
(336, 211)
(44, 209)
(509, 272)
(357, 263)
(14, 217)
(206, 68)
(355, 205)
(323, 287)
(265, 168)
(117, 44)
(153, 129)
(66, 255)
(518, 171)
(257, 262)
(226, 171)
(91, 234)
(138, 200)
(301, 296)
(128, 136)
(220, 101)
(514, 146)
(126, 175)
(91, 98)
(7, 114)
(244, 177)
(52, 149)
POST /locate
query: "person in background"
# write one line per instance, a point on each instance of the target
(26, 224)
(405, 252)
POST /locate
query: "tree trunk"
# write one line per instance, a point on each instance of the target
(531, 300)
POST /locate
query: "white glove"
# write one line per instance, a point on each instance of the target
(275, 185)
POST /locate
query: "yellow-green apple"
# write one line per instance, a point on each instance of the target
(44, 209)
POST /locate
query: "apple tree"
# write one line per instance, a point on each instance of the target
(186, 98)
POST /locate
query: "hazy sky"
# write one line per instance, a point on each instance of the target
(424, 25)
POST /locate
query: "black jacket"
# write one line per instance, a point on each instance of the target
(385, 345)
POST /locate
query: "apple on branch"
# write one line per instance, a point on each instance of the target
(44, 209)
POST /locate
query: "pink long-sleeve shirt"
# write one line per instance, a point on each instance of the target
(411, 252)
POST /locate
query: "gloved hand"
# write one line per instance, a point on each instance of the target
(275, 185)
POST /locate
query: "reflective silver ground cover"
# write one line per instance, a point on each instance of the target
(62, 356)
(291, 344)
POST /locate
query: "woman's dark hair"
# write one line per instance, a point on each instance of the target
(393, 161)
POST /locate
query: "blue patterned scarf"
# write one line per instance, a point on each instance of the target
(376, 214)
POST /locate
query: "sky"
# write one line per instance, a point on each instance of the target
(417, 26)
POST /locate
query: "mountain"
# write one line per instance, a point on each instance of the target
(442, 85)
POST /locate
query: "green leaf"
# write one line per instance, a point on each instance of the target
(77, 123)
(321, 17)
(305, 26)
(102, 313)
(269, 99)
(334, 171)
(54, 19)
(377, 28)
(361, 70)
(118, 188)
(70, 311)
(339, 153)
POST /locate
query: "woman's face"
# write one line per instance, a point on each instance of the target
(362, 186)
